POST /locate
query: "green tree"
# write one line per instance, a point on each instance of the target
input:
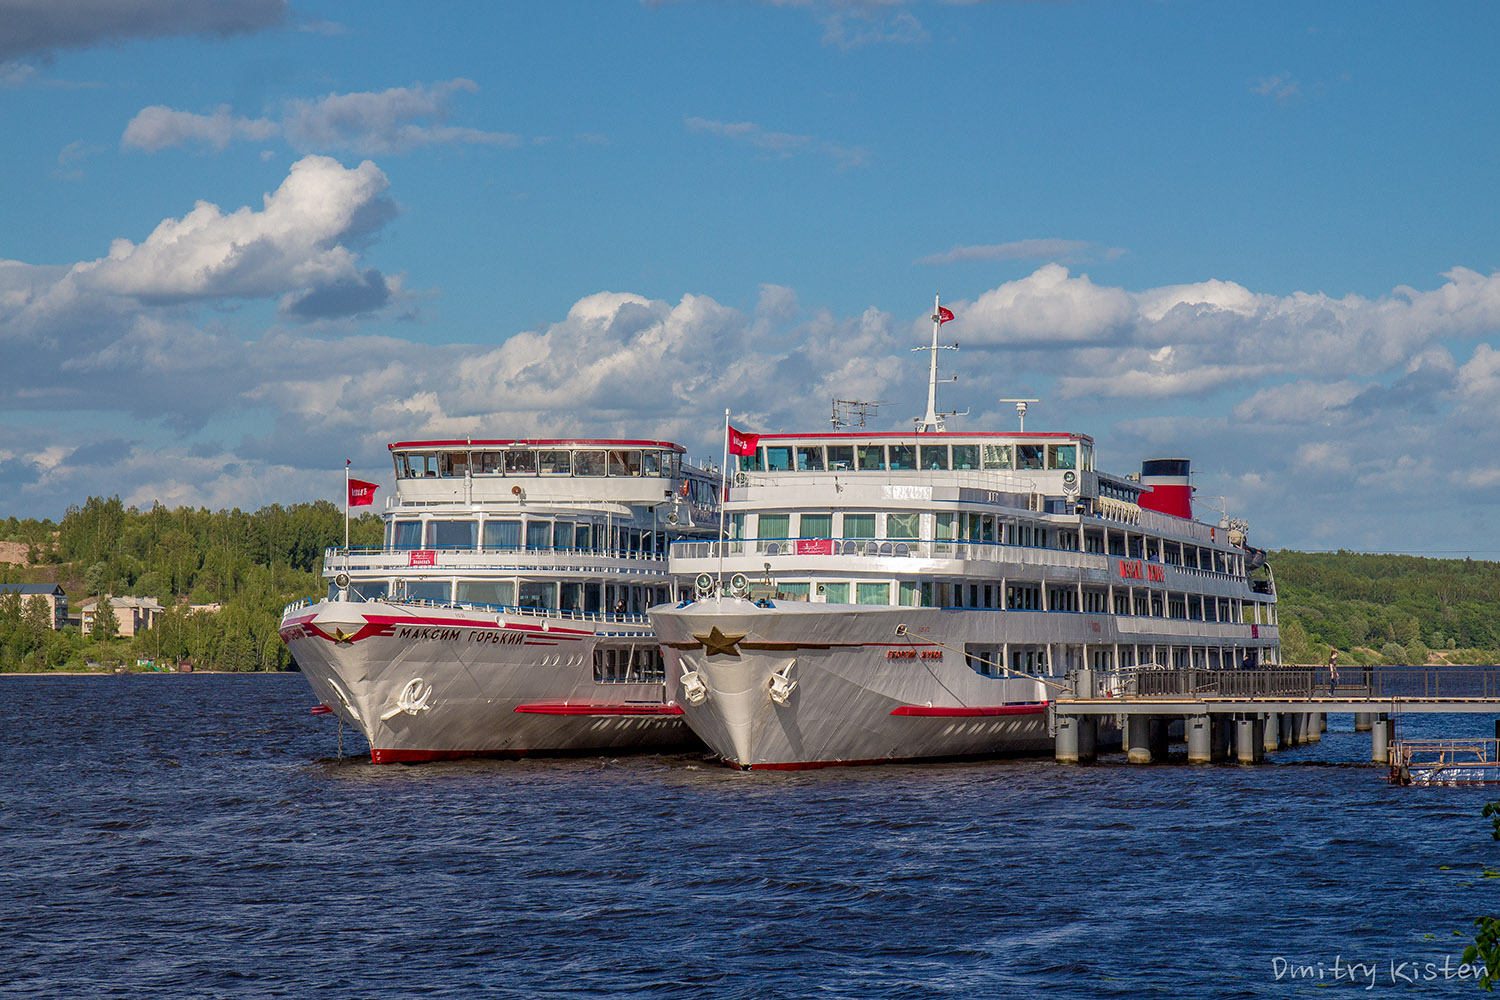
(106, 625)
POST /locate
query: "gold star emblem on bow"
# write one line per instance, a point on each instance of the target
(717, 642)
(340, 636)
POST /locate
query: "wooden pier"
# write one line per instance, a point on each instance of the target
(1256, 711)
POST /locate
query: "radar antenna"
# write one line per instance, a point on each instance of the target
(1020, 409)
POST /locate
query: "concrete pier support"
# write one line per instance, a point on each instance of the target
(1065, 744)
(1288, 730)
(1199, 731)
(1160, 737)
(1362, 721)
(1316, 723)
(1271, 737)
(1138, 738)
(1322, 722)
(1380, 738)
(1250, 738)
(1299, 728)
(1077, 739)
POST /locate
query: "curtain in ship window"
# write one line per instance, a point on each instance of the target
(837, 593)
(997, 456)
(859, 525)
(427, 590)
(454, 534)
(815, 526)
(486, 592)
(408, 535)
(538, 595)
(539, 536)
(563, 535)
(792, 591)
(909, 594)
(903, 526)
(502, 534)
(874, 593)
(774, 526)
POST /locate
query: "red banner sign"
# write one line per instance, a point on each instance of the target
(422, 557)
(1136, 569)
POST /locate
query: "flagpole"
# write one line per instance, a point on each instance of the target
(346, 506)
(723, 499)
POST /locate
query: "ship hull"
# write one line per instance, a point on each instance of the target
(434, 684)
(863, 693)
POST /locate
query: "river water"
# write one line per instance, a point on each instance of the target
(199, 836)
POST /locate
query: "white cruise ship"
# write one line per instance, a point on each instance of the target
(919, 595)
(504, 613)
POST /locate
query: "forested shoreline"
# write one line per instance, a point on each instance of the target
(1373, 608)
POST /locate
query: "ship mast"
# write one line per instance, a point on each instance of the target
(933, 421)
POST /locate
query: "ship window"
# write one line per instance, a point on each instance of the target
(966, 456)
(628, 664)
(539, 535)
(583, 535)
(774, 526)
(535, 594)
(840, 457)
(624, 463)
(570, 596)
(1028, 456)
(454, 463)
(650, 463)
(427, 590)
(588, 463)
(370, 590)
(423, 465)
(408, 535)
(1087, 455)
(486, 592)
(554, 463)
(810, 457)
(792, 591)
(520, 463)
(736, 525)
(873, 593)
(403, 466)
(933, 456)
(944, 526)
(778, 458)
(489, 463)
(872, 456)
(903, 525)
(1062, 456)
(815, 526)
(997, 456)
(452, 534)
(903, 456)
(750, 463)
(562, 535)
(908, 590)
(502, 534)
(859, 525)
(836, 593)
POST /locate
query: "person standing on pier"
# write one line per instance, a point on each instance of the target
(1333, 669)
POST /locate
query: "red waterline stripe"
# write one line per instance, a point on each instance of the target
(1027, 708)
(563, 708)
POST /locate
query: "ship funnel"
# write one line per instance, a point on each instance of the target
(1170, 491)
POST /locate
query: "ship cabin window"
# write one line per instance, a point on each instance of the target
(452, 534)
(489, 463)
(454, 463)
(589, 463)
(873, 593)
(932, 456)
(998, 456)
(903, 526)
(1062, 456)
(776, 526)
(792, 591)
(427, 590)
(583, 536)
(502, 534)
(943, 527)
(535, 594)
(751, 463)
(408, 535)
(835, 593)
(1029, 456)
(736, 526)
(417, 465)
(500, 592)
(903, 457)
(554, 463)
(520, 463)
(539, 535)
(859, 525)
(966, 456)
(840, 457)
(1086, 453)
(1093, 541)
(562, 535)
(872, 457)
(628, 665)
(815, 526)
(651, 463)
(370, 590)
(907, 590)
(778, 458)
(625, 463)
(810, 457)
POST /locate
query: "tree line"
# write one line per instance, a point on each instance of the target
(250, 564)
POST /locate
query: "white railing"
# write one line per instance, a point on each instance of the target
(509, 560)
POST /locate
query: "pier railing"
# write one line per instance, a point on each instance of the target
(1311, 682)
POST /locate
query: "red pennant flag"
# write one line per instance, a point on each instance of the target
(741, 443)
(944, 315)
(361, 493)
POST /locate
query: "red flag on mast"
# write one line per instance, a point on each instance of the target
(944, 315)
(361, 493)
(741, 443)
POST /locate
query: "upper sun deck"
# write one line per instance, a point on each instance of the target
(551, 469)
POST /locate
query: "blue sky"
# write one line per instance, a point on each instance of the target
(243, 240)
